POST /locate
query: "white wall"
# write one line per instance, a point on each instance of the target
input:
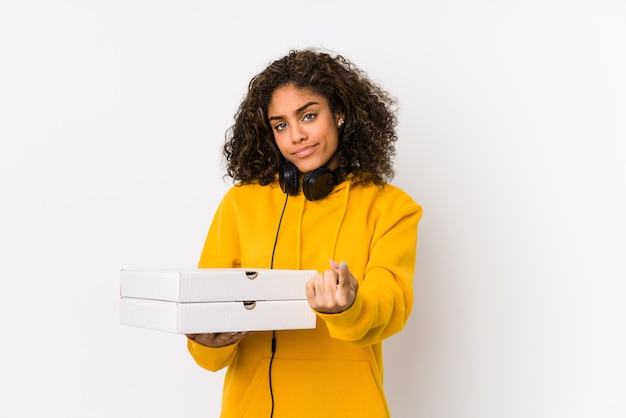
(112, 116)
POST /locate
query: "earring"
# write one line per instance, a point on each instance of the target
(340, 124)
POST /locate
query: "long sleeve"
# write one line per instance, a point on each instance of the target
(222, 246)
(385, 296)
(212, 359)
(221, 249)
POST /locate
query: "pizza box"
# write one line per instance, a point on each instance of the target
(215, 285)
(212, 317)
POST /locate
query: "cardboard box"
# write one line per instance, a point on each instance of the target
(195, 318)
(191, 301)
(215, 285)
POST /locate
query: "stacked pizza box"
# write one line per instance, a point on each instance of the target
(192, 301)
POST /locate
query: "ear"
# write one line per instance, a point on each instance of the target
(340, 119)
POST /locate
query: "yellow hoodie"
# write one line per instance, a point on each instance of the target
(336, 369)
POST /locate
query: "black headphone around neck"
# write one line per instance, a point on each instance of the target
(316, 184)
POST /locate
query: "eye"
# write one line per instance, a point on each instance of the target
(280, 126)
(309, 116)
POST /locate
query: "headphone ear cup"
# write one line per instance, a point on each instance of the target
(318, 184)
(288, 178)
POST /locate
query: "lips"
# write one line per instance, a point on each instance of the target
(304, 152)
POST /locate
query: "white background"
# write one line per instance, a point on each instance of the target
(512, 137)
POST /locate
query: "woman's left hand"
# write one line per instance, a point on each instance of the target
(332, 291)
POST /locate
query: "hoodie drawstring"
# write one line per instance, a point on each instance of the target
(342, 215)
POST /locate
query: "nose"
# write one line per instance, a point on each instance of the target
(297, 133)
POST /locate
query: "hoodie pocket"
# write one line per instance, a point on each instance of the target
(315, 388)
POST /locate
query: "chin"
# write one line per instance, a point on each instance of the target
(305, 167)
(313, 164)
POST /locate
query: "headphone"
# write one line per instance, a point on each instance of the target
(316, 184)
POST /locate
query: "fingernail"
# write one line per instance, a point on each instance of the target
(333, 263)
(343, 265)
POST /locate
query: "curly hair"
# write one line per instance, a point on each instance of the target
(367, 139)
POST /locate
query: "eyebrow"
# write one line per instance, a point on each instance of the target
(298, 110)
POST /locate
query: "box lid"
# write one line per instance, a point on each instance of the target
(215, 285)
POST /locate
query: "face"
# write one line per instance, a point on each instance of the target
(305, 129)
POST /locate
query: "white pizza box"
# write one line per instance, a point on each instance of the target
(215, 285)
(210, 317)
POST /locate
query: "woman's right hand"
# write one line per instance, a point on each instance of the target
(220, 339)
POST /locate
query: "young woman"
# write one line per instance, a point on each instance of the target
(311, 154)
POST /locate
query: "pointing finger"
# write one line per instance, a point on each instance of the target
(333, 265)
(342, 272)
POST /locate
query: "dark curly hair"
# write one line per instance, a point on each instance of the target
(367, 139)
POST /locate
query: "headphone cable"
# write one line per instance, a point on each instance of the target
(280, 221)
(270, 370)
